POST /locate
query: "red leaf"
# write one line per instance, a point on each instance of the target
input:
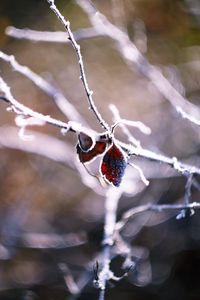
(98, 149)
(113, 165)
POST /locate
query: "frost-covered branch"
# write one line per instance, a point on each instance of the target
(128, 215)
(76, 47)
(180, 167)
(27, 117)
(25, 111)
(111, 204)
(143, 128)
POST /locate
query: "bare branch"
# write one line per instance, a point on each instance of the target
(180, 167)
(123, 122)
(25, 111)
(50, 36)
(76, 47)
(142, 176)
(131, 54)
(152, 207)
(119, 121)
(111, 203)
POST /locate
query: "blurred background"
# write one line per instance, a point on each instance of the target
(51, 219)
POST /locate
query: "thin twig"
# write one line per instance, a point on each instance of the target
(81, 65)
(180, 167)
(119, 121)
(152, 207)
(124, 128)
(141, 174)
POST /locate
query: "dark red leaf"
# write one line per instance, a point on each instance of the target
(98, 149)
(113, 165)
